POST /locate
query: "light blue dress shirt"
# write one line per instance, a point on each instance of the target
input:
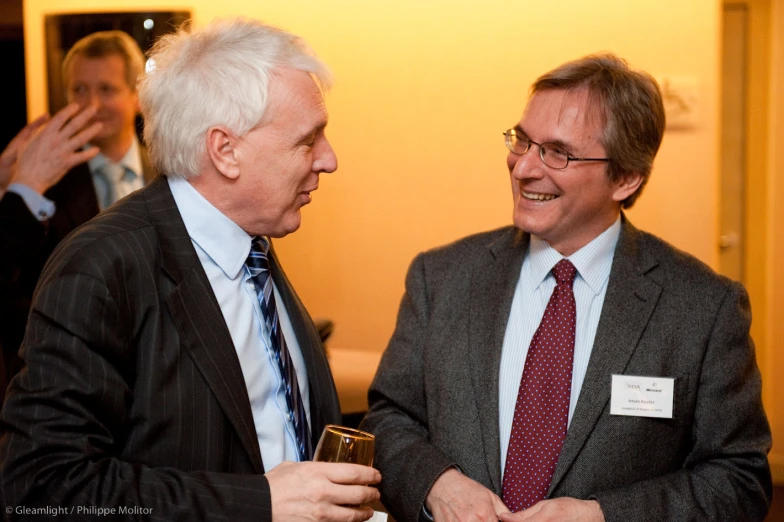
(532, 293)
(125, 178)
(223, 247)
(39, 206)
(132, 178)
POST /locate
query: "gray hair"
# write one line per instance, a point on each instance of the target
(215, 75)
(630, 106)
(106, 43)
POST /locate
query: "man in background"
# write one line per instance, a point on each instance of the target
(572, 367)
(171, 369)
(100, 73)
(37, 157)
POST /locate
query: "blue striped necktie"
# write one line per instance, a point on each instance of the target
(258, 264)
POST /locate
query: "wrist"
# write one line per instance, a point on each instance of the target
(596, 511)
(441, 482)
(37, 187)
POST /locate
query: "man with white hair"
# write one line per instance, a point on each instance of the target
(171, 370)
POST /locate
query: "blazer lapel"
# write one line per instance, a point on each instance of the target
(324, 406)
(75, 198)
(628, 304)
(198, 317)
(493, 283)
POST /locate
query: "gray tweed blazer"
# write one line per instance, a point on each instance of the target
(434, 400)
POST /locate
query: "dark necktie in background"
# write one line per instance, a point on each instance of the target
(542, 409)
(258, 264)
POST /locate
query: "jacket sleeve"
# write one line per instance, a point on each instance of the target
(66, 419)
(725, 475)
(408, 462)
(21, 237)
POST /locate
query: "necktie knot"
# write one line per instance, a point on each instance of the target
(564, 272)
(113, 172)
(258, 259)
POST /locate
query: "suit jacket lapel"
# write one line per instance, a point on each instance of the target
(198, 317)
(628, 304)
(324, 406)
(493, 283)
(75, 198)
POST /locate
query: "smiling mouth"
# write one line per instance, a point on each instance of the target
(533, 196)
(308, 195)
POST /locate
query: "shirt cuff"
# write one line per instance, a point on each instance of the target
(39, 206)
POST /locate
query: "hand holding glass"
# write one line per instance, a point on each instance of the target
(341, 444)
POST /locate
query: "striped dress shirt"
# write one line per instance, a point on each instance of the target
(533, 290)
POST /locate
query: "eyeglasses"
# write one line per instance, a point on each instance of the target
(552, 155)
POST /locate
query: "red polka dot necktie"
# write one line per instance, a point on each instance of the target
(542, 408)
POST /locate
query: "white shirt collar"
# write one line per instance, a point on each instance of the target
(593, 261)
(221, 238)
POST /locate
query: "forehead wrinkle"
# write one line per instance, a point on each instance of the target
(568, 102)
(295, 100)
(587, 114)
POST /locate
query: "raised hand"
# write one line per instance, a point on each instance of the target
(11, 151)
(53, 148)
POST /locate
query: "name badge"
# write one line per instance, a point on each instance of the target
(642, 396)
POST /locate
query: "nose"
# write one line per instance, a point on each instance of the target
(94, 99)
(325, 158)
(87, 98)
(523, 166)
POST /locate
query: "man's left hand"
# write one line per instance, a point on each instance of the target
(11, 152)
(558, 510)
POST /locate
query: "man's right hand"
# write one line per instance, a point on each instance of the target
(322, 491)
(51, 151)
(456, 498)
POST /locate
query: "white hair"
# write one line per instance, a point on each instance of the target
(215, 75)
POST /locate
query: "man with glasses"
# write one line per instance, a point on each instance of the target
(572, 367)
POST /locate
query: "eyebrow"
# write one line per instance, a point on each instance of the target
(568, 148)
(303, 138)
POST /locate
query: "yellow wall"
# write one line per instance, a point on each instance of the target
(756, 245)
(424, 89)
(774, 358)
(423, 92)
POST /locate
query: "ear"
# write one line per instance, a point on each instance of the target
(627, 186)
(222, 152)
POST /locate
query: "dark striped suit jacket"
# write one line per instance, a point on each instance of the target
(27, 243)
(132, 394)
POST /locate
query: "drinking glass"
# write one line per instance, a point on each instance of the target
(342, 444)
